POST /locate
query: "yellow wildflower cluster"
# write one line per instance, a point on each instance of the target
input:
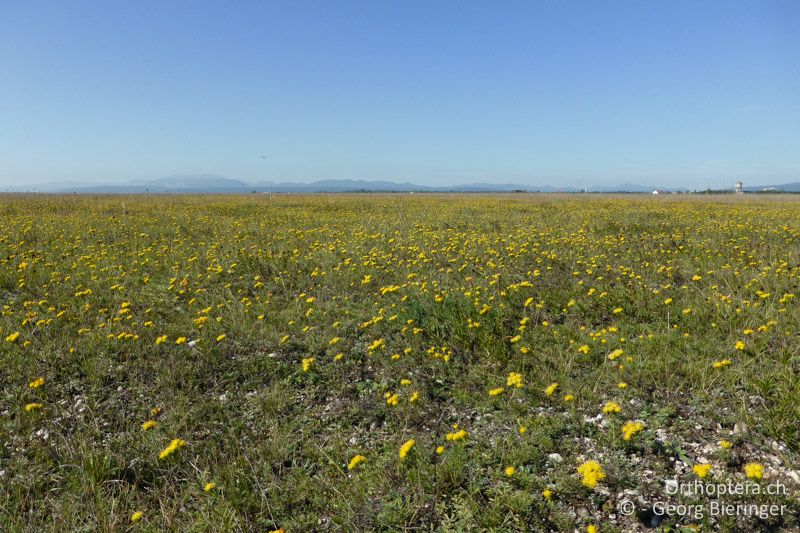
(591, 473)
(406, 448)
(631, 428)
(355, 461)
(514, 380)
(174, 446)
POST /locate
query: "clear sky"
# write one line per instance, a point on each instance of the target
(669, 93)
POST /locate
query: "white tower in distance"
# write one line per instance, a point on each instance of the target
(739, 188)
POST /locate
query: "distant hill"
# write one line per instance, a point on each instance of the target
(212, 183)
(194, 183)
(338, 186)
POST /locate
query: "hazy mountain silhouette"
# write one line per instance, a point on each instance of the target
(212, 183)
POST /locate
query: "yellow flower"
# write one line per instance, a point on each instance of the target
(135, 517)
(180, 340)
(510, 471)
(355, 461)
(615, 354)
(739, 345)
(721, 364)
(307, 363)
(591, 528)
(591, 473)
(584, 349)
(622, 385)
(36, 383)
(701, 470)
(406, 447)
(173, 446)
(209, 486)
(376, 345)
(611, 407)
(33, 407)
(569, 398)
(631, 428)
(668, 301)
(13, 337)
(458, 435)
(724, 444)
(150, 424)
(393, 399)
(220, 338)
(440, 450)
(334, 340)
(161, 339)
(414, 397)
(754, 470)
(617, 310)
(551, 389)
(514, 380)
(548, 494)
(496, 391)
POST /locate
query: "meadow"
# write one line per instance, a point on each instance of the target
(395, 362)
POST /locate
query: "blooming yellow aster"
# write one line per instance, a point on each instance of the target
(701, 470)
(456, 436)
(173, 446)
(631, 428)
(591, 473)
(514, 380)
(753, 470)
(406, 447)
(355, 461)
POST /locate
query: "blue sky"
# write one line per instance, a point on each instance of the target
(678, 93)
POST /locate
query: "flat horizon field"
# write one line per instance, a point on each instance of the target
(395, 362)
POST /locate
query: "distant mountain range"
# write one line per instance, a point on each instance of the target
(211, 183)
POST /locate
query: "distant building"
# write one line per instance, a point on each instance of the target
(656, 191)
(739, 188)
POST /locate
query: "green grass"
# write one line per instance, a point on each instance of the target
(276, 440)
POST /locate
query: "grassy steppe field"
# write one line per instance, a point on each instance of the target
(394, 362)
